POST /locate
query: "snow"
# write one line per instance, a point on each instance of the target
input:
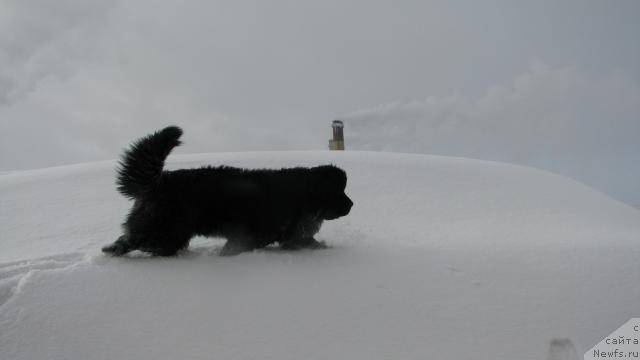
(442, 258)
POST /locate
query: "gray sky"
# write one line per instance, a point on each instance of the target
(80, 79)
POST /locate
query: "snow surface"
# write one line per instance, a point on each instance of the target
(441, 258)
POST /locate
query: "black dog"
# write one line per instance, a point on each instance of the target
(250, 208)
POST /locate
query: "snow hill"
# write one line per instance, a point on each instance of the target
(441, 258)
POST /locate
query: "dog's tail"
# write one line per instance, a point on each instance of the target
(141, 165)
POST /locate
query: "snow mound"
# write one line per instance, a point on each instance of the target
(440, 258)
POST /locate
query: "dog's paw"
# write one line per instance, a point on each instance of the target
(232, 248)
(115, 249)
(312, 244)
(317, 245)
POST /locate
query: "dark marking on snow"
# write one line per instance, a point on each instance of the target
(562, 349)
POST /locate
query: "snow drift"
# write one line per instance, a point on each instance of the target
(440, 258)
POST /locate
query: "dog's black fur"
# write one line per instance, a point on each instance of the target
(250, 208)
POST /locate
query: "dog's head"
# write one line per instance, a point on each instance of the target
(327, 188)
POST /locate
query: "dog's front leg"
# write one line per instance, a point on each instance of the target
(311, 243)
(120, 247)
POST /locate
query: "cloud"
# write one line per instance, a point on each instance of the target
(555, 118)
(42, 38)
(79, 79)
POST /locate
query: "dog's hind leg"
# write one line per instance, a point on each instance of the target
(163, 251)
(167, 243)
(237, 244)
(120, 247)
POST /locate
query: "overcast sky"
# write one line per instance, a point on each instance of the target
(80, 79)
